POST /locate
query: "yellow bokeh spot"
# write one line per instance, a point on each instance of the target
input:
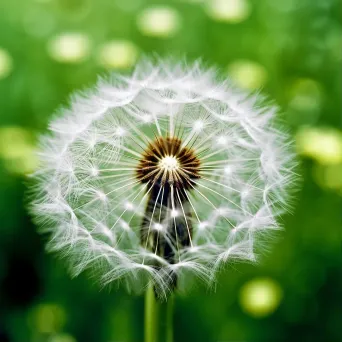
(159, 21)
(321, 144)
(62, 338)
(232, 11)
(247, 74)
(328, 176)
(6, 63)
(47, 318)
(69, 47)
(117, 54)
(17, 150)
(260, 297)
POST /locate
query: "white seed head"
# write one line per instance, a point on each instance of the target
(159, 174)
(158, 226)
(169, 163)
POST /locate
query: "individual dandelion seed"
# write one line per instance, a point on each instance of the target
(164, 173)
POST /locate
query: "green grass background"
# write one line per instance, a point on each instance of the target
(291, 50)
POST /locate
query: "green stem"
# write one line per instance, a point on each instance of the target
(158, 318)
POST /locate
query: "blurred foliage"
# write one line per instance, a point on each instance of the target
(290, 49)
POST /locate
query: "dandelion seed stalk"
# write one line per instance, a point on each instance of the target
(158, 317)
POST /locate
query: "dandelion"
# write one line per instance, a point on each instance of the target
(160, 175)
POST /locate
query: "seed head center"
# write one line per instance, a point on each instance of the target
(169, 163)
(166, 161)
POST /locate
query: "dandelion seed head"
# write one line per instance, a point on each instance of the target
(221, 140)
(203, 225)
(169, 163)
(124, 225)
(159, 174)
(129, 206)
(120, 131)
(146, 118)
(158, 226)
(94, 171)
(101, 195)
(228, 170)
(198, 125)
(174, 213)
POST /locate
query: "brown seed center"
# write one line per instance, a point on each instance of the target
(166, 160)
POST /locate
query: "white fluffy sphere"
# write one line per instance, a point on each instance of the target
(158, 174)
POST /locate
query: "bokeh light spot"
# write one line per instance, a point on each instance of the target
(321, 144)
(47, 318)
(247, 74)
(62, 338)
(161, 21)
(117, 54)
(260, 297)
(17, 150)
(6, 63)
(328, 176)
(232, 11)
(69, 47)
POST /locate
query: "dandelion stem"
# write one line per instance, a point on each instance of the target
(158, 318)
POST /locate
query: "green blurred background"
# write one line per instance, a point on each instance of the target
(290, 49)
